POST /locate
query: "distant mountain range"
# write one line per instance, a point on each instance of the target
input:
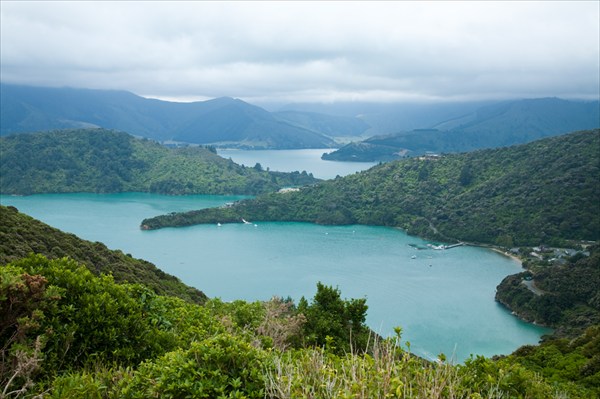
(496, 125)
(394, 117)
(222, 121)
(392, 130)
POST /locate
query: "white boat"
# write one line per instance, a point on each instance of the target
(414, 257)
(245, 221)
(219, 224)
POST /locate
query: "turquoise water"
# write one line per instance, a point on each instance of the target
(295, 160)
(443, 300)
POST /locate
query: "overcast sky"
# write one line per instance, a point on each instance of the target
(307, 51)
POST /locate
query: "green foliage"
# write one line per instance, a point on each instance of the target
(335, 323)
(24, 299)
(572, 364)
(21, 235)
(543, 192)
(58, 314)
(106, 161)
(82, 336)
(100, 383)
(94, 319)
(186, 322)
(223, 366)
(391, 372)
(272, 324)
(488, 378)
(569, 294)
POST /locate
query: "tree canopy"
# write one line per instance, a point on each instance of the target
(107, 161)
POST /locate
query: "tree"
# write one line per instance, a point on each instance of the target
(334, 322)
(466, 175)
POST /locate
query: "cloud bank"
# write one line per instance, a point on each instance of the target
(307, 51)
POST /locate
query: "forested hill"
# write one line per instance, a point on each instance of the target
(563, 295)
(21, 235)
(106, 161)
(541, 192)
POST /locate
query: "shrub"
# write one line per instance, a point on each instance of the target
(223, 366)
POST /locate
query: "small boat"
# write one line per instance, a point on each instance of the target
(414, 257)
(437, 247)
(219, 224)
(245, 221)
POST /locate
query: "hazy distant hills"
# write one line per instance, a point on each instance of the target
(394, 117)
(235, 123)
(222, 121)
(496, 125)
(331, 125)
(400, 129)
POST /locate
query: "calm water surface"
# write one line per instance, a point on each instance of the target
(295, 160)
(444, 300)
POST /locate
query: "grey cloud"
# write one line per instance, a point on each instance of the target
(307, 50)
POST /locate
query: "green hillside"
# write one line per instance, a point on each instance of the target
(564, 295)
(105, 161)
(542, 192)
(21, 235)
(497, 125)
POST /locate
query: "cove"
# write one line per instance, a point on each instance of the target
(443, 299)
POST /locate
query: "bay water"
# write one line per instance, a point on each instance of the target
(443, 299)
(295, 160)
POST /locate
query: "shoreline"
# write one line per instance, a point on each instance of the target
(508, 255)
(497, 250)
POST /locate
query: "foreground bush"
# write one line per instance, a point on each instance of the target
(223, 366)
(69, 334)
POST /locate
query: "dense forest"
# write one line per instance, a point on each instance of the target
(565, 295)
(546, 192)
(21, 235)
(70, 333)
(105, 161)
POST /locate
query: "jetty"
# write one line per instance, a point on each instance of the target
(439, 247)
